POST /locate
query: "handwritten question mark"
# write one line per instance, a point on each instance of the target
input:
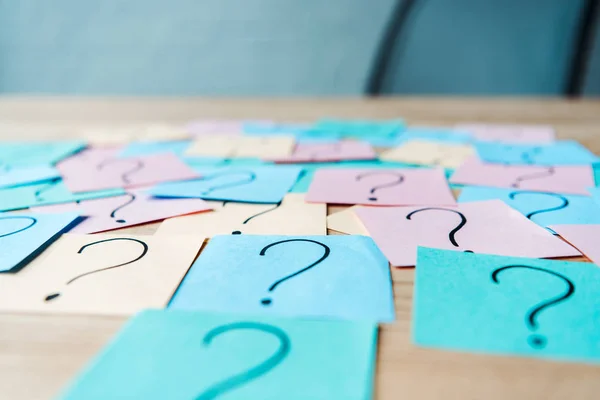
(549, 172)
(565, 201)
(538, 341)
(125, 176)
(256, 215)
(251, 176)
(254, 372)
(131, 200)
(32, 223)
(385, 185)
(451, 235)
(267, 301)
(81, 250)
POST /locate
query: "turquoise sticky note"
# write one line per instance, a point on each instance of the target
(507, 305)
(22, 235)
(361, 129)
(596, 168)
(430, 134)
(543, 208)
(180, 355)
(33, 153)
(564, 152)
(15, 176)
(42, 194)
(250, 184)
(324, 276)
(146, 148)
(218, 162)
(595, 193)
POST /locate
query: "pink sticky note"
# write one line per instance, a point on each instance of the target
(125, 172)
(585, 238)
(323, 152)
(489, 227)
(91, 155)
(133, 208)
(510, 133)
(382, 187)
(561, 179)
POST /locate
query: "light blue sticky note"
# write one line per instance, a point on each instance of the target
(179, 355)
(249, 184)
(34, 153)
(544, 209)
(21, 235)
(595, 193)
(323, 276)
(564, 152)
(197, 162)
(146, 148)
(302, 133)
(507, 305)
(15, 176)
(42, 194)
(361, 129)
(431, 134)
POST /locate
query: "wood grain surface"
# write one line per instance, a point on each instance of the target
(39, 354)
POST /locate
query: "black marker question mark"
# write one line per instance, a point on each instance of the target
(386, 185)
(451, 235)
(125, 176)
(131, 200)
(565, 201)
(254, 372)
(538, 341)
(542, 174)
(256, 215)
(33, 222)
(251, 176)
(144, 251)
(266, 301)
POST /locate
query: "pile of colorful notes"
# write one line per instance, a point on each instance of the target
(264, 249)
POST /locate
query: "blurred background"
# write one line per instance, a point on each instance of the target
(300, 47)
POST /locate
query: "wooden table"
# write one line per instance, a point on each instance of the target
(40, 353)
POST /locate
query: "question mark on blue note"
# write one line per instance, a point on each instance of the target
(131, 200)
(82, 249)
(399, 179)
(543, 174)
(256, 215)
(452, 234)
(257, 371)
(32, 222)
(267, 301)
(538, 341)
(564, 201)
(250, 177)
(138, 165)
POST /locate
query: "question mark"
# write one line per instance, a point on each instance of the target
(463, 222)
(131, 200)
(144, 251)
(251, 178)
(386, 185)
(565, 201)
(538, 341)
(125, 176)
(254, 216)
(33, 222)
(550, 171)
(254, 372)
(266, 301)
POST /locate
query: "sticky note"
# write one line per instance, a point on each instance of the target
(209, 356)
(46, 193)
(562, 179)
(11, 177)
(100, 274)
(132, 208)
(564, 152)
(595, 192)
(361, 129)
(426, 133)
(509, 133)
(343, 277)
(582, 237)
(346, 222)
(267, 147)
(125, 172)
(136, 149)
(90, 156)
(507, 305)
(380, 187)
(126, 133)
(260, 184)
(221, 126)
(423, 152)
(336, 151)
(24, 154)
(293, 216)
(490, 227)
(22, 235)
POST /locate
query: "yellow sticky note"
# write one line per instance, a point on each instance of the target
(422, 152)
(347, 222)
(125, 134)
(101, 274)
(292, 217)
(267, 147)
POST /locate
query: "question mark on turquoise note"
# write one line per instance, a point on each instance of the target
(256, 215)
(259, 370)
(250, 177)
(399, 179)
(267, 301)
(538, 341)
(138, 165)
(542, 174)
(452, 234)
(131, 200)
(564, 204)
(32, 220)
(82, 249)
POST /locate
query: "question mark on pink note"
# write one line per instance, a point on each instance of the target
(399, 179)
(452, 234)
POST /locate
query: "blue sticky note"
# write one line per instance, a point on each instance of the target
(42, 194)
(34, 153)
(361, 129)
(250, 184)
(218, 162)
(323, 276)
(10, 176)
(21, 235)
(595, 192)
(543, 208)
(180, 355)
(136, 149)
(433, 135)
(507, 305)
(564, 152)
(596, 168)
